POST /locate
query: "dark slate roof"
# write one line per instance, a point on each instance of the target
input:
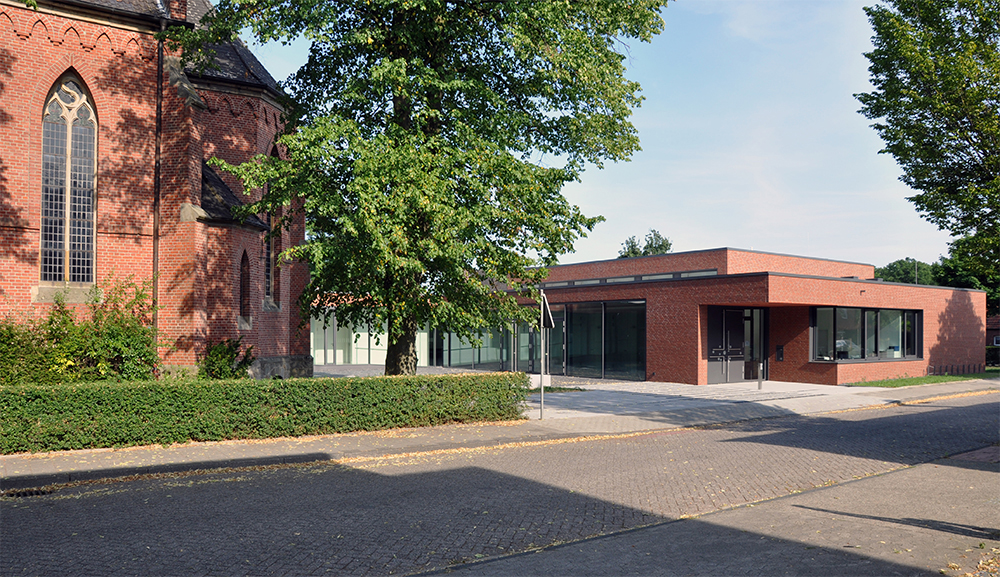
(218, 200)
(196, 9)
(237, 64)
(153, 8)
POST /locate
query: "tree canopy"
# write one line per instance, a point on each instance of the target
(962, 271)
(904, 269)
(431, 142)
(655, 244)
(936, 72)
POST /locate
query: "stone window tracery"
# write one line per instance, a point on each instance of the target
(69, 184)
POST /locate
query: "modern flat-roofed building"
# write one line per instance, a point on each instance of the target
(722, 315)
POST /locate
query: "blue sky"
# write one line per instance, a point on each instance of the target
(751, 139)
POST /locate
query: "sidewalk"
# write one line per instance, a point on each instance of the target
(934, 518)
(604, 408)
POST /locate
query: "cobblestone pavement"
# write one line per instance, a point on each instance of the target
(423, 511)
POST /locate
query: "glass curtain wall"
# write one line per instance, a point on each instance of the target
(625, 341)
(490, 356)
(557, 341)
(585, 340)
(595, 340)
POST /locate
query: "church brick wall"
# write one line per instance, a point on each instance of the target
(199, 263)
(118, 68)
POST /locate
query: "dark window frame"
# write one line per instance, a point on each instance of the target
(244, 304)
(911, 335)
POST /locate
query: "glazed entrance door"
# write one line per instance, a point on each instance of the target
(736, 344)
(734, 338)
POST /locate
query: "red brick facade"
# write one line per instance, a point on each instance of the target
(723, 260)
(677, 309)
(114, 54)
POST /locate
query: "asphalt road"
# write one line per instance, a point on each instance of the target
(471, 509)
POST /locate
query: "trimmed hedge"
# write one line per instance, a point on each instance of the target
(993, 356)
(36, 418)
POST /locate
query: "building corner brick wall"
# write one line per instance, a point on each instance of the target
(677, 312)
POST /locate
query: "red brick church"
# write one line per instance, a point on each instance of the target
(102, 170)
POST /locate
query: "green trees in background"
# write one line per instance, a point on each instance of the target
(655, 244)
(951, 271)
(907, 270)
(960, 271)
(936, 72)
(431, 142)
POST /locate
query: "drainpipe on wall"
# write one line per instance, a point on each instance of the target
(156, 176)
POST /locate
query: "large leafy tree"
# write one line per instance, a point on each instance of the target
(936, 72)
(432, 140)
(961, 270)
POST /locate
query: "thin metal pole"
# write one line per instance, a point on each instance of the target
(758, 336)
(541, 370)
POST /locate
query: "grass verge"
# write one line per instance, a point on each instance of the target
(991, 373)
(537, 390)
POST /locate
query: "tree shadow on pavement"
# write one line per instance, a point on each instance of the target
(906, 435)
(689, 547)
(351, 521)
(970, 531)
(666, 408)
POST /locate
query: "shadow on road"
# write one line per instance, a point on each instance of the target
(663, 408)
(970, 531)
(350, 521)
(688, 547)
(857, 434)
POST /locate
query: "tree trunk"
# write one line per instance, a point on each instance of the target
(401, 356)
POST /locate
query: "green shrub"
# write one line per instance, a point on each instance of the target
(222, 360)
(115, 340)
(993, 356)
(26, 356)
(36, 418)
(123, 339)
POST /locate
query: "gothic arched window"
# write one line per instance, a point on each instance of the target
(245, 286)
(272, 248)
(69, 175)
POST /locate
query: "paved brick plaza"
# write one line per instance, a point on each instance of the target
(425, 511)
